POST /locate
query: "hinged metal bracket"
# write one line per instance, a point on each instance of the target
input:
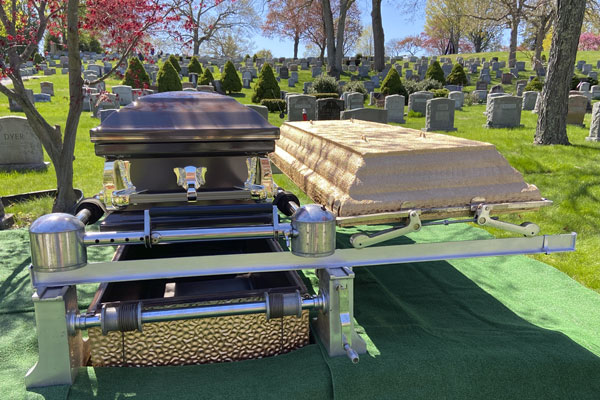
(191, 178)
(483, 218)
(361, 240)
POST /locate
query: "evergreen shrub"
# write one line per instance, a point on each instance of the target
(392, 84)
(266, 87)
(457, 76)
(136, 76)
(435, 72)
(175, 63)
(168, 78)
(230, 81)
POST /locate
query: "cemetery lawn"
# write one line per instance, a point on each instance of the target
(568, 175)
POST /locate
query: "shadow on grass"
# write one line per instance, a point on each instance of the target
(237, 95)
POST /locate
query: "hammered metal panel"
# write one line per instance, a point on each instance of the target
(200, 341)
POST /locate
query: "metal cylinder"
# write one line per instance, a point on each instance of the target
(313, 229)
(131, 316)
(56, 242)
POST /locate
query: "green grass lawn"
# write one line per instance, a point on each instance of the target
(570, 176)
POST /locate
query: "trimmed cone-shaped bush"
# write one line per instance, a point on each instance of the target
(392, 84)
(175, 62)
(435, 72)
(267, 86)
(457, 76)
(194, 66)
(136, 76)
(206, 78)
(168, 78)
(230, 81)
(37, 58)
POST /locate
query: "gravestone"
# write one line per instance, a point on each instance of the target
(480, 95)
(293, 67)
(459, 99)
(594, 135)
(538, 103)
(596, 92)
(576, 109)
(454, 88)
(366, 114)
(520, 65)
(306, 87)
(50, 71)
(497, 89)
(417, 102)
(439, 115)
(521, 88)
(262, 110)
(248, 75)
(291, 82)
(16, 107)
(354, 100)
(363, 71)
(42, 98)
(504, 112)
(584, 87)
(20, 149)
(64, 71)
(315, 71)
(586, 68)
(377, 99)
(47, 88)
(329, 109)
(294, 76)
(298, 102)
(106, 113)
(529, 100)
(394, 104)
(126, 95)
(105, 101)
(480, 85)
(507, 79)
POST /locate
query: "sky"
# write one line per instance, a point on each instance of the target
(396, 24)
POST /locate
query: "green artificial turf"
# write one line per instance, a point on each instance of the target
(501, 328)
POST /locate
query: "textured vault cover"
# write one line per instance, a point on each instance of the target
(357, 167)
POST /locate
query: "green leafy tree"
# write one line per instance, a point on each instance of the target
(457, 76)
(392, 84)
(136, 76)
(230, 81)
(435, 72)
(267, 86)
(194, 66)
(175, 63)
(206, 78)
(168, 78)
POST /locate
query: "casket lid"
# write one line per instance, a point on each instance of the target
(184, 117)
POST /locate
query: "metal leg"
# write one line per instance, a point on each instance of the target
(60, 354)
(335, 325)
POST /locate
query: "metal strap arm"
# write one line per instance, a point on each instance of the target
(483, 218)
(361, 240)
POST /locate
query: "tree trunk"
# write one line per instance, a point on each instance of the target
(296, 42)
(378, 35)
(322, 53)
(341, 27)
(514, 34)
(552, 116)
(329, 34)
(65, 199)
(196, 41)
(539, 43)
